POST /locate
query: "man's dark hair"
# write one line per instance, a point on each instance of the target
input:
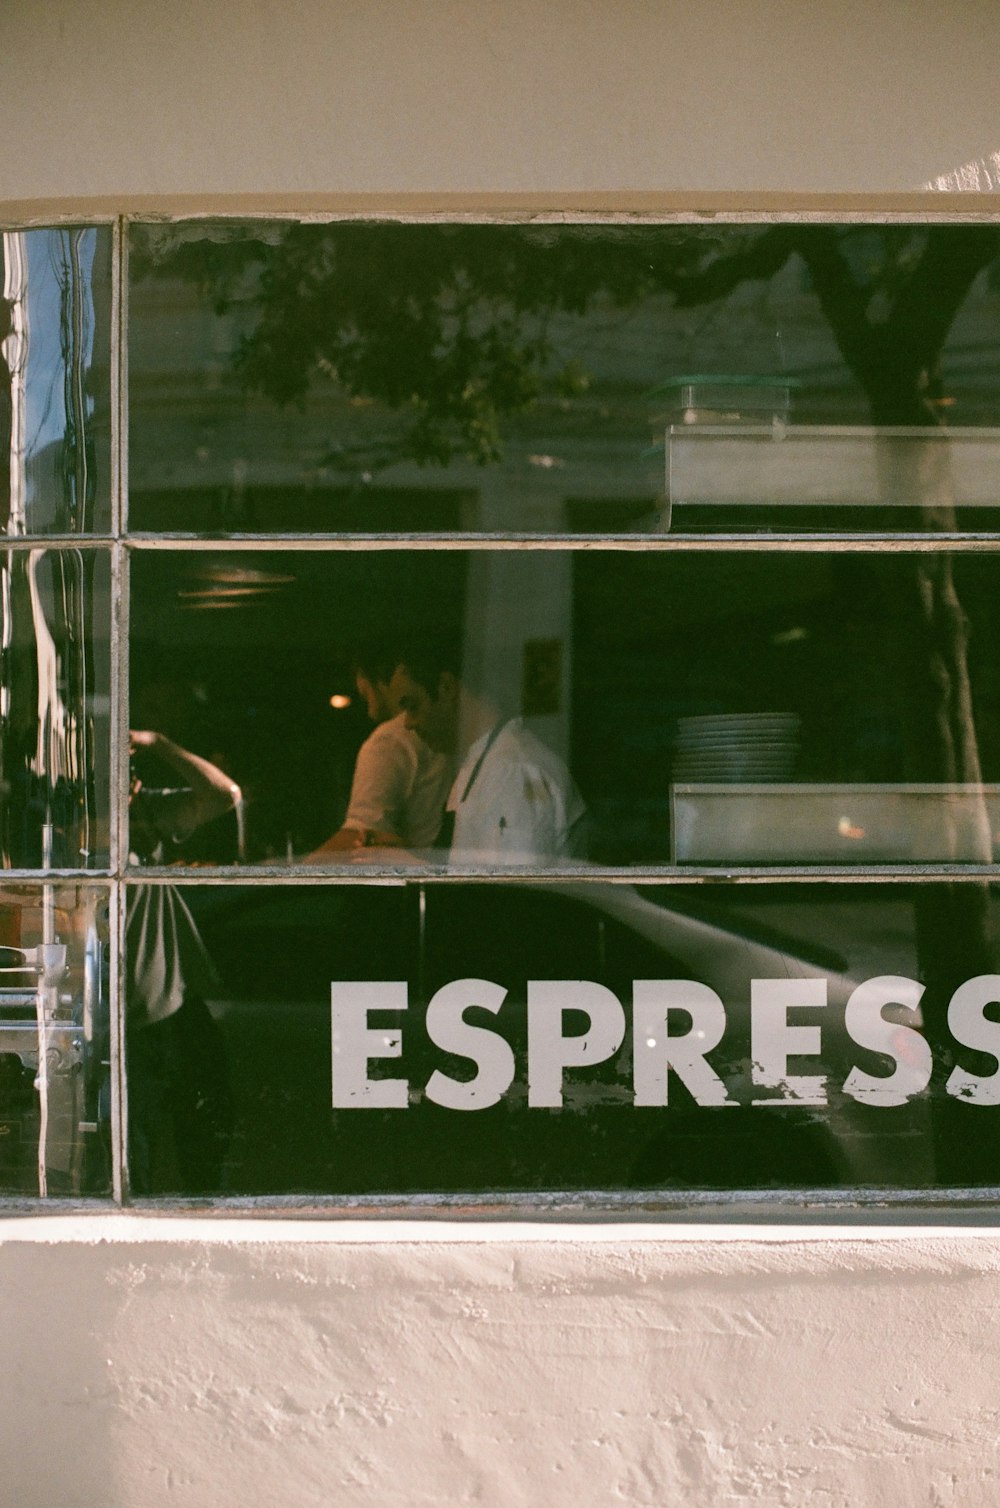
(376, 661)
(428, 658)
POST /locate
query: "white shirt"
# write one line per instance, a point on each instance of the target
(520, 806)
(166, 956)
(399, 785)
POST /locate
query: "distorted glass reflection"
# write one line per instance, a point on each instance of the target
(628, 379)
(55, 1095)
(548, 708)
(576, 1036)
(55, 681)
(55, 389)
(177, 1080)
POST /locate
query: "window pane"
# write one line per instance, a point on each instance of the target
(475, 1039)
(55, 679)
(55, 396)
(55, 1106)
(639, 379)
(703, 708)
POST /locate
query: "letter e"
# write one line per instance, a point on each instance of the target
(773, 1040)
(355, 1044)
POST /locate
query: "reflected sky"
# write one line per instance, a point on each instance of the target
(56, 402)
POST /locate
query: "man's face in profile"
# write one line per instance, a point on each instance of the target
(434, 718)
(376, 697)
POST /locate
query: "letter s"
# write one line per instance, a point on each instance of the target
(970, 1026)
(491, 1053)
(868, 1028)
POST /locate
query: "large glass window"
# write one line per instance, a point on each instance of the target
(695, 708)
(441, 1038)
(494, 710)
(562, 379)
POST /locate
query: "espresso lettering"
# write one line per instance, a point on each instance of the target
(491, 1053)
(549, 1051)
(355, 1044)
(656, 1051)
(867, 1026)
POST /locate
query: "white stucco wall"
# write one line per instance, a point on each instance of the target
(180, 1366)
(310, 1364)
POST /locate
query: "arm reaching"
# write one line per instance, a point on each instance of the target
(208, 791)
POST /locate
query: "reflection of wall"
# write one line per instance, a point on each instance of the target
(515, 598)
(206, 453)
(586, 454)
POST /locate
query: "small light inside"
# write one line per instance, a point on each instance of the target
(339, 701)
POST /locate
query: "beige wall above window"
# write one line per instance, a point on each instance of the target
(438, 97)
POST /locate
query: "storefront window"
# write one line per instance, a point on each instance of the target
(562, 379)
(571, 1037)
(696, 708)
(509, 709)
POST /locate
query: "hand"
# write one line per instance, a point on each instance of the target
(344, 841)
(346, 838)
(142, 739)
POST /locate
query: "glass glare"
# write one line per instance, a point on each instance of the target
(55, 387)
(55, 1061)
(55, 691)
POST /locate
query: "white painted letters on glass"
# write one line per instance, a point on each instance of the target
(867, 1026)
(491, 1053)
(549, 1051)
(774, 1039)
(970, 1026)
(355, 1044)
(655, 1051)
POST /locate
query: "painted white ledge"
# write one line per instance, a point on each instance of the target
(124, 1229)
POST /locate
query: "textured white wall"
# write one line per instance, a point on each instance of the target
(291, 97)
(615, 1367)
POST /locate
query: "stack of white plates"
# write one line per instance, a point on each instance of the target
(741, 747)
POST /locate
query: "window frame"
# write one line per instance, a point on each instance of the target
(121, 543)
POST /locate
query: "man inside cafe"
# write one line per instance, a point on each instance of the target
(513, 801)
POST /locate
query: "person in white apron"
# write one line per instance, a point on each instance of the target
(513, 800)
